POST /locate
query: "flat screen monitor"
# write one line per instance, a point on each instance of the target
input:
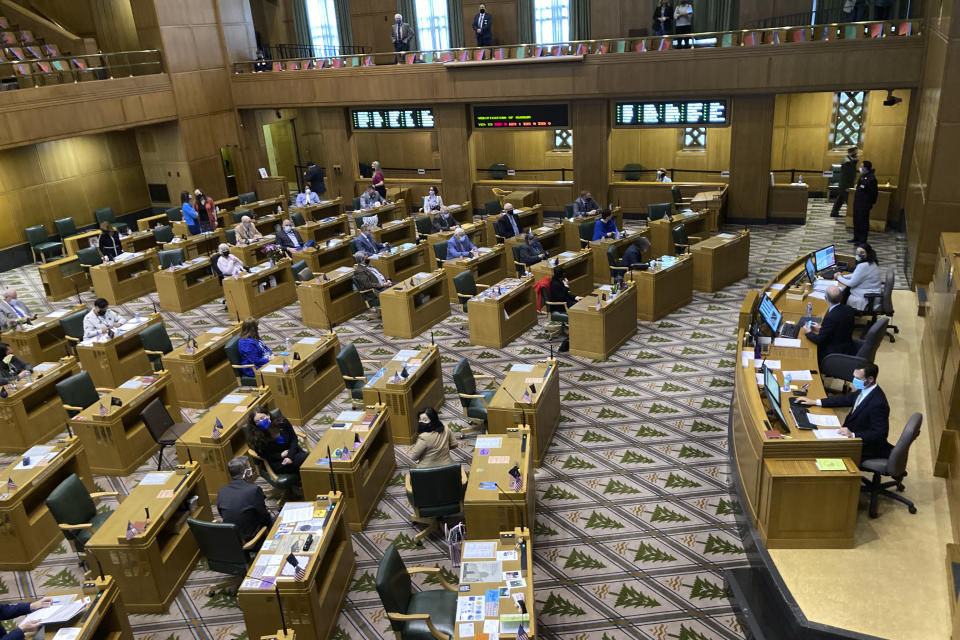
(770, 314)
(775, 405)
(825, 258)
(811, 270)
(770, 383)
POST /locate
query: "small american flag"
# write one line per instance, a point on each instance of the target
(286, 367)
(516, 483)
(526, 396)
(521, 633)
(300, 573)
(11, 485)
(217, 428)
(325, 278)
(103, 410)
(131, 530)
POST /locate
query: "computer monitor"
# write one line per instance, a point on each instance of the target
(772, 391)
(825, 258)
(770, 314)
(811, 270)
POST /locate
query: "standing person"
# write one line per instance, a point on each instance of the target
(190, 217)
(662, 18)
(864, 279)
(252, 349)
(9, 611)
(881, 9)
(860, 10)
(110, 245)
(848, 175)
(847, 10)
(683, 19)
(863, 200)
(377, 181)
(400, 35)
(206, 210)
(314, 175)
(482, 26)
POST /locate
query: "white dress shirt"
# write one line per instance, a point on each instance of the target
(94, 324)
(229, 265)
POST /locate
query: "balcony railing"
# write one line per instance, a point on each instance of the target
(577, 50)
(37, 72)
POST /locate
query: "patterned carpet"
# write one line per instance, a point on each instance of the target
(634, 515)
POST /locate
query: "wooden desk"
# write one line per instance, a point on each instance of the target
(267, 207)
(571, 228)
(399, 194)
(321, 210)
(112, 361)
(187, 286)
(362, 475)
(311, 606)
(880, 211)
(720, 260)
(601, 266)
(252, 254)
(267, 224)
(73, 244)
(43, 339)
(598, 333)
(396, 232)
(63, 278)
(489, 267)
(506, 541)
(407, 397)
(311, 382)
(503, 312)
(322, 230)
(392, 211)
(152, 566)
(118, 441)
(333, 254)
(411, 307)
(200, 245)
(487, 512)
(661, 231)
(138, 241)
(29, 530)
(149, 222)
(661, 291)
(541, 412)
(578, 265)
(203, 376)
(403, 261)
(528, 218)
(550, 237)
(252, 295)
(714, 201)
(330, 301)
(106, 617)
(213, 454)
(125, 280)
(636, 196)
(32, 413)
(521, 198)
(787, 203)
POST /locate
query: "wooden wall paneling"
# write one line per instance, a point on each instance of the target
(453, 143)
(401, 149)
(163, 159)
(751, 138)
(114, 24)
(591, 146)
(339, 150)
(371, 21)
(656, 148)
(273, 20)
(237, 27)
(131, 188)
(614, 18)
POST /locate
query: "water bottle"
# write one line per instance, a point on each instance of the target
(136, 316)
(286, 345)
(786, 382)
(809, 310)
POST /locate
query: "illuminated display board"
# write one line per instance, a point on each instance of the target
(520, 116)
(702, 113)
(364, 119)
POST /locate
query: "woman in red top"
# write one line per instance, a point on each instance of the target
(377, 181)
(206, 210)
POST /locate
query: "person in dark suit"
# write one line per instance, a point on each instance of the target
(585, 205)
(663, 18)
(559, 290)
(366, 242)
(10, 611)
(290, 239)
(835, 333)
(634, 253)
(314, 176)
(509, 224)
(110, 245)
(869, 419)
(11, 367)
(848, 176)
(276, 442)
(863, 200)
(443, 221)
(531, 252)
(241, 502)
(482, 27)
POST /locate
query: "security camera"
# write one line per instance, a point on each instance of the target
(891, 99)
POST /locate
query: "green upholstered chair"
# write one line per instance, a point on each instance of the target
(424, 615)
(568, 210)
(492, 207)
(473, 401)
(89, 257)
(613, 260)
(174, 214)
(632, 172)
(437, 494)
(521, 267)
(65, 227)
(163, 233)
(106, 215)
(283, 482)
(371, 297)
(557, 313)
(440, 252)
(424, 225)
(498, 171)
(225, 551)
(239, 213)
(353, 245)
(156, 344)
(77, 392)
(585, 230)
(297, 267)
(40, 242)
(231, 235)
(681, 241)
(232, 349)
(351, 368)
(466, 287)
(304, 275)
(170, 258)
(72, 324)
(659, 210)
(297, 219)
(356, 203)
(247, 198)
(75, 510)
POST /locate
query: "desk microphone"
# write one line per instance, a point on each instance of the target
(283, 621)
(69, 430)
(523, 414)
(333, 477)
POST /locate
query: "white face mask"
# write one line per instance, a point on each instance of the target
(287, 229)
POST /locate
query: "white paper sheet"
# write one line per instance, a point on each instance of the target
(67, 633)
(776, 286)
(57, 314)
(828, 434)
(44, 366)
(405, 354)
(801, 375)
(270, 368)
(217, 330)
(823, 421)
(787, 342)
(296, 512)
(474, 550)
(131, 384)
(522, 368)
(156, 477)
(233, 398)
(350, 416)
(308, 340)
(487, 442)
(819, 295)
(466, 630)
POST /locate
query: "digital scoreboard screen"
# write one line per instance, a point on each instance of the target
(392, 119)
(520, 116)
(671, 114)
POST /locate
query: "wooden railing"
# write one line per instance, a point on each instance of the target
(37, 72)
(577, 50)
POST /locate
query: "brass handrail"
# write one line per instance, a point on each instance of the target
(79, 68)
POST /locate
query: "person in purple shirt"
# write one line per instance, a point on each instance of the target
(252, 349)
(459, 246)
(10, 611)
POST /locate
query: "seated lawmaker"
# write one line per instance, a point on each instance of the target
(110, 245)
(606, 227)
(371, 198)
(835, 333)
(585, 205)
(367, 243)
(308, 197)
(291, 240)
(634, 253)
(509, 223)
(252, 349)
(247, 232)
(241, 502)
(11, 367)
(276, 442)
(368, 279)
(662, 176)
(100, 319)
(559, 290)
(10, 611)
(432, 201)
(459, 246)
(869, 419)
(434, 441)
(531, 252)
(865, 277)
(13, 311)
(443, 221)
(228, 264)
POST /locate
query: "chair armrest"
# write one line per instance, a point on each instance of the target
(104, 494)
(103, 390)
(473, 396)
(436, 570)
(613, 268)
(241, 366)
(678, 244)
(482, 375)
(694, 239)
(266, 467)
(376, 362)
(462, 296)
(354, 378)
(153, 353)
(483, 286)
(75, 527)
(255, 539)
(405, 617)
(72, 339)
(70, 407)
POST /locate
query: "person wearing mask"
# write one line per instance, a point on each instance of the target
(869, 419)
(483, 27)
(371, 198)
(662, 176)
(662, 18)
(253, 351)
(864, 279)
(241, 502)
(835, 333)
(434, 441)
(559, 290)
(377, 181)
(11, 367)
(531, 252)
(100, 319)
(228, 264)
(307, 198)
(275, 441)
(585, 205)
(247, 232)
(10, 611)
(634, 253)
(606, 227)
(400, 35)
(432, 201)
(314, 176)
(190, 217)
(290, 239)
(863, 200)
(367, 243)
(848, 176)
(368, 280)
(260, 63)
(459, 246)
(13, 311)
(110, 245)
(443, 221)
(508, 225)
(206, 210)
(683, 19)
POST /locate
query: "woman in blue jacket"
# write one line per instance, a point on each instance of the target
(190, 216)
(252, 350)
(9, 611)
(606, 227)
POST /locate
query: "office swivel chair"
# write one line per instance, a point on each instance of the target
(231, 235)
(521, 267)
(239, 213)
(842, 365)
(156, 344)
(351, 368)
(225, 552)
(174, 214)
(894, 466)
(75, 511)
(297, 267)
(247, 198)
(681, 241)
(89, 257)
(423, 615)
(77, 392)
(164, 431)
(424, 225)
(881, 304)
(659, 210)
(304, 275)
(440, 253)
(163, 233)
(72, 325)
(297, 219)
(106, 215)
(437, 494)
(492, 207)
(473, 401)
(232, 349)
(557, 314)
(617, 272)
(171, 258)
(585, 230)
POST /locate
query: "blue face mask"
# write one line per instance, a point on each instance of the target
(264, 424)
(858, 384)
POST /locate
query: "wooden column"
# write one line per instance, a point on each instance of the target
(591, 148)
(453, 135)
(751, 139)
(339, 150)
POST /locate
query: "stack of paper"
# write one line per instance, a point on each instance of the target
(63, 609)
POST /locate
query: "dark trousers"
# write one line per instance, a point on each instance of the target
(485, 40)
(839, 202)
(861, 224)
(400, 48)
(860, 12)
(684, 43)
(882, 13)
